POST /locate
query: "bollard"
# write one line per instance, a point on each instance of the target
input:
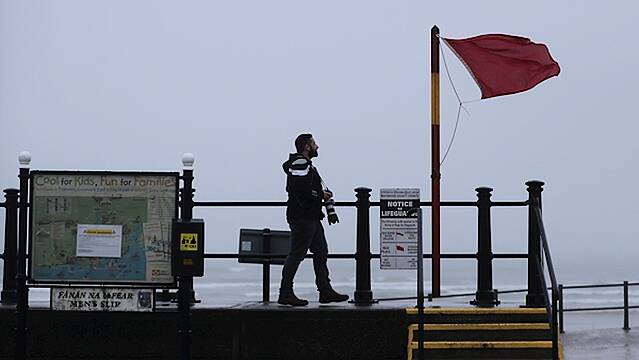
(485, 295)
(363, 294)
(535, 296)
(9, 295)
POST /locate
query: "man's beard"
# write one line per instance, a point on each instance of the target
(312, 153)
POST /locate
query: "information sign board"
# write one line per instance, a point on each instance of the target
(398, 229)
(102, 227)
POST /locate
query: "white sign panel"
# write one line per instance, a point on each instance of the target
(398, 230)
(101, 299)
(99, 241)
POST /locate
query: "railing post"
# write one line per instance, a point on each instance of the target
(561, 308)
(9, 295)
(266, 267)
(626, 318)
(535, 296)
(363, 294)
(485, 295)
(185, 293)
(186, 208)
(555, 330)
(21, 278)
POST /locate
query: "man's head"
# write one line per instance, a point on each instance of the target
(305, 144)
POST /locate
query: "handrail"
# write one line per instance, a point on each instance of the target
(352, 256)
(598, 286)
(349, 203)
(4, 205)
(602, 308)
(544, 243)
(551, 304)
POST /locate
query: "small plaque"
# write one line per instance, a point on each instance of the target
(101, 299)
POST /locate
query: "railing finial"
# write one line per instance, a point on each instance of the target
(187, 161)
(24, 158)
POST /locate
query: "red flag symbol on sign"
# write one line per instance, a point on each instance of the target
(504, 64)
(399, 248)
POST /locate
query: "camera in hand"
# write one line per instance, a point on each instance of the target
(330, 211)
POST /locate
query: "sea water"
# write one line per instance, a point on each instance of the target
(228, 283)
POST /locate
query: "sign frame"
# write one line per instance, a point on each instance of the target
(101, 288)
(394, 214)
(147, 284)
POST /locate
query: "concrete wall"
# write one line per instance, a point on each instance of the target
(248, 332)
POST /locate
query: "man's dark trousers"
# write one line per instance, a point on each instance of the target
(305, 235)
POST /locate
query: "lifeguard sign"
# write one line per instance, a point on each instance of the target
(398, 232)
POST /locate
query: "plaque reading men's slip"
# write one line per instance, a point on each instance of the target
(398, 229)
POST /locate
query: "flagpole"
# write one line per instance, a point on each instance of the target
(435, 174)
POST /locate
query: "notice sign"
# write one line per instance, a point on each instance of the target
(99, 241)
(101, 299)
(398, 229)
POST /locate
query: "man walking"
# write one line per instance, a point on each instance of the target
(304, 215)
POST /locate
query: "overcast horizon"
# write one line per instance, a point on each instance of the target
(123, 85)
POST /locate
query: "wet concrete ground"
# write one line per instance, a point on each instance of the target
(613, 344)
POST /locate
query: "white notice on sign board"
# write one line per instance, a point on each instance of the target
(398, 229)
(99, 241)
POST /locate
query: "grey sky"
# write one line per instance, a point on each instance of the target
(132, 85)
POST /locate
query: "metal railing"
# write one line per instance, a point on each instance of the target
(626, 307)
(561, 309)
(16, 228)
(552, 304)
(485, 296)
(9, 294)
(363, 256)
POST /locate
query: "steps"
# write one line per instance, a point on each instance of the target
(481, 333)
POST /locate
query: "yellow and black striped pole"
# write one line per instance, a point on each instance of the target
(435, 174)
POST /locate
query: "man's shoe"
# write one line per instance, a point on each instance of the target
(292, 300)
(329, 296)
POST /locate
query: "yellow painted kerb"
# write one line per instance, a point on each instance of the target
(484, 345)
(488, 327)
(481, 311)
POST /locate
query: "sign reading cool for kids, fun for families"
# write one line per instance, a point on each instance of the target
(101, 227)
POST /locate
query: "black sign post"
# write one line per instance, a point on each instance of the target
(420, 281)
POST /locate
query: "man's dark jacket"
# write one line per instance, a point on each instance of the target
(304, 187)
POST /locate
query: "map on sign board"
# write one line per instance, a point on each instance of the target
(398, 229)
(102, 227)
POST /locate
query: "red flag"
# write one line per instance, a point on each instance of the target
(504, 64)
